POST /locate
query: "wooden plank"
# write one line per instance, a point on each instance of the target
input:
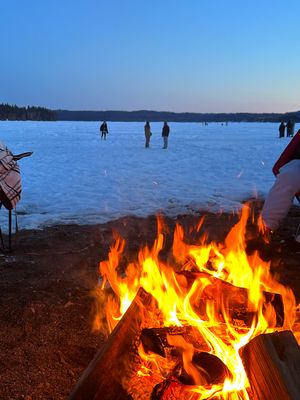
(102, 378)
(272, 364)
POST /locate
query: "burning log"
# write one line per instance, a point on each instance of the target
(156, 340)
(180, 387)
(234, 301)
(102, 378)
(194, 365)
(216, 371)
(272, 364)
(172, 389)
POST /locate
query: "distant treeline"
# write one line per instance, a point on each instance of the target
(9, 112)
(14, 113)
(157, 116)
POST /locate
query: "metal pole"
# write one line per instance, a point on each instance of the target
(9, 230)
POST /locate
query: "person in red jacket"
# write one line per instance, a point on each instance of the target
(281, 195)
(286, 186)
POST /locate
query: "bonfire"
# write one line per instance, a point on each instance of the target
(211, 322)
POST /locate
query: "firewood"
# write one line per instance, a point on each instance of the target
(215, 369)
(272, 364)
(173, 389)
(141, 387)
(235, 301)
(155, 340)
(158, 341)
(102, 380)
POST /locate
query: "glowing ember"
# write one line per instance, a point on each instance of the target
(208, 271)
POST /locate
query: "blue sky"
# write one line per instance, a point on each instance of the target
(172, 55)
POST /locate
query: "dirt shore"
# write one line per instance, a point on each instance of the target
(45, 295)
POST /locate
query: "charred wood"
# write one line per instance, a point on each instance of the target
(212, 369)
(172, 389)
(216, 371)
(155, 340)
(233, 300)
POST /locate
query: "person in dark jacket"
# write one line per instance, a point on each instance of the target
(148, 134)
(281, 130)
(290, 128)
(103, 130)
(165, 134)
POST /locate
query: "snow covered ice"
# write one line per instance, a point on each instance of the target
(75, 177)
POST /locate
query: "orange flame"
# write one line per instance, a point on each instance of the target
(215, 267)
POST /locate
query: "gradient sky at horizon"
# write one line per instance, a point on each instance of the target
(165, 55)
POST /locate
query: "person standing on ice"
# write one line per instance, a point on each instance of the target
(103, 130)
(287, 185)
(148, 134)
(281, 130)
(290, 128)
(165, 134)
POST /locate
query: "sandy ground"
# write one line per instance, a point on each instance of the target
(46, 340)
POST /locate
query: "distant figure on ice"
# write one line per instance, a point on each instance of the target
(148, 134)
(165, 134)
(290, 128)
(281, 130)
(103, 130)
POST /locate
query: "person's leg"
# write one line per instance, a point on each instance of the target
(147, 141)
(165, 142)
(281, 195)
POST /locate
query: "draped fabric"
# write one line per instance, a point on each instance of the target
(10, 179)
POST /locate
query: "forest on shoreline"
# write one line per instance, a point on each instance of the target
(159, 116)
(34, 113)
(31, 113)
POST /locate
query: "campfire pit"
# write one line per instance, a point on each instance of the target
(195, 333)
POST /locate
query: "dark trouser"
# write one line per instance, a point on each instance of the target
(165, 138)
(147, 141)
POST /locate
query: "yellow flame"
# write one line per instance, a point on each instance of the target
(211, 263)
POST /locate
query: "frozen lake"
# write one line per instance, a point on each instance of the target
(74, 177)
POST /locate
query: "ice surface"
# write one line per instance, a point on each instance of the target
(75, 177)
